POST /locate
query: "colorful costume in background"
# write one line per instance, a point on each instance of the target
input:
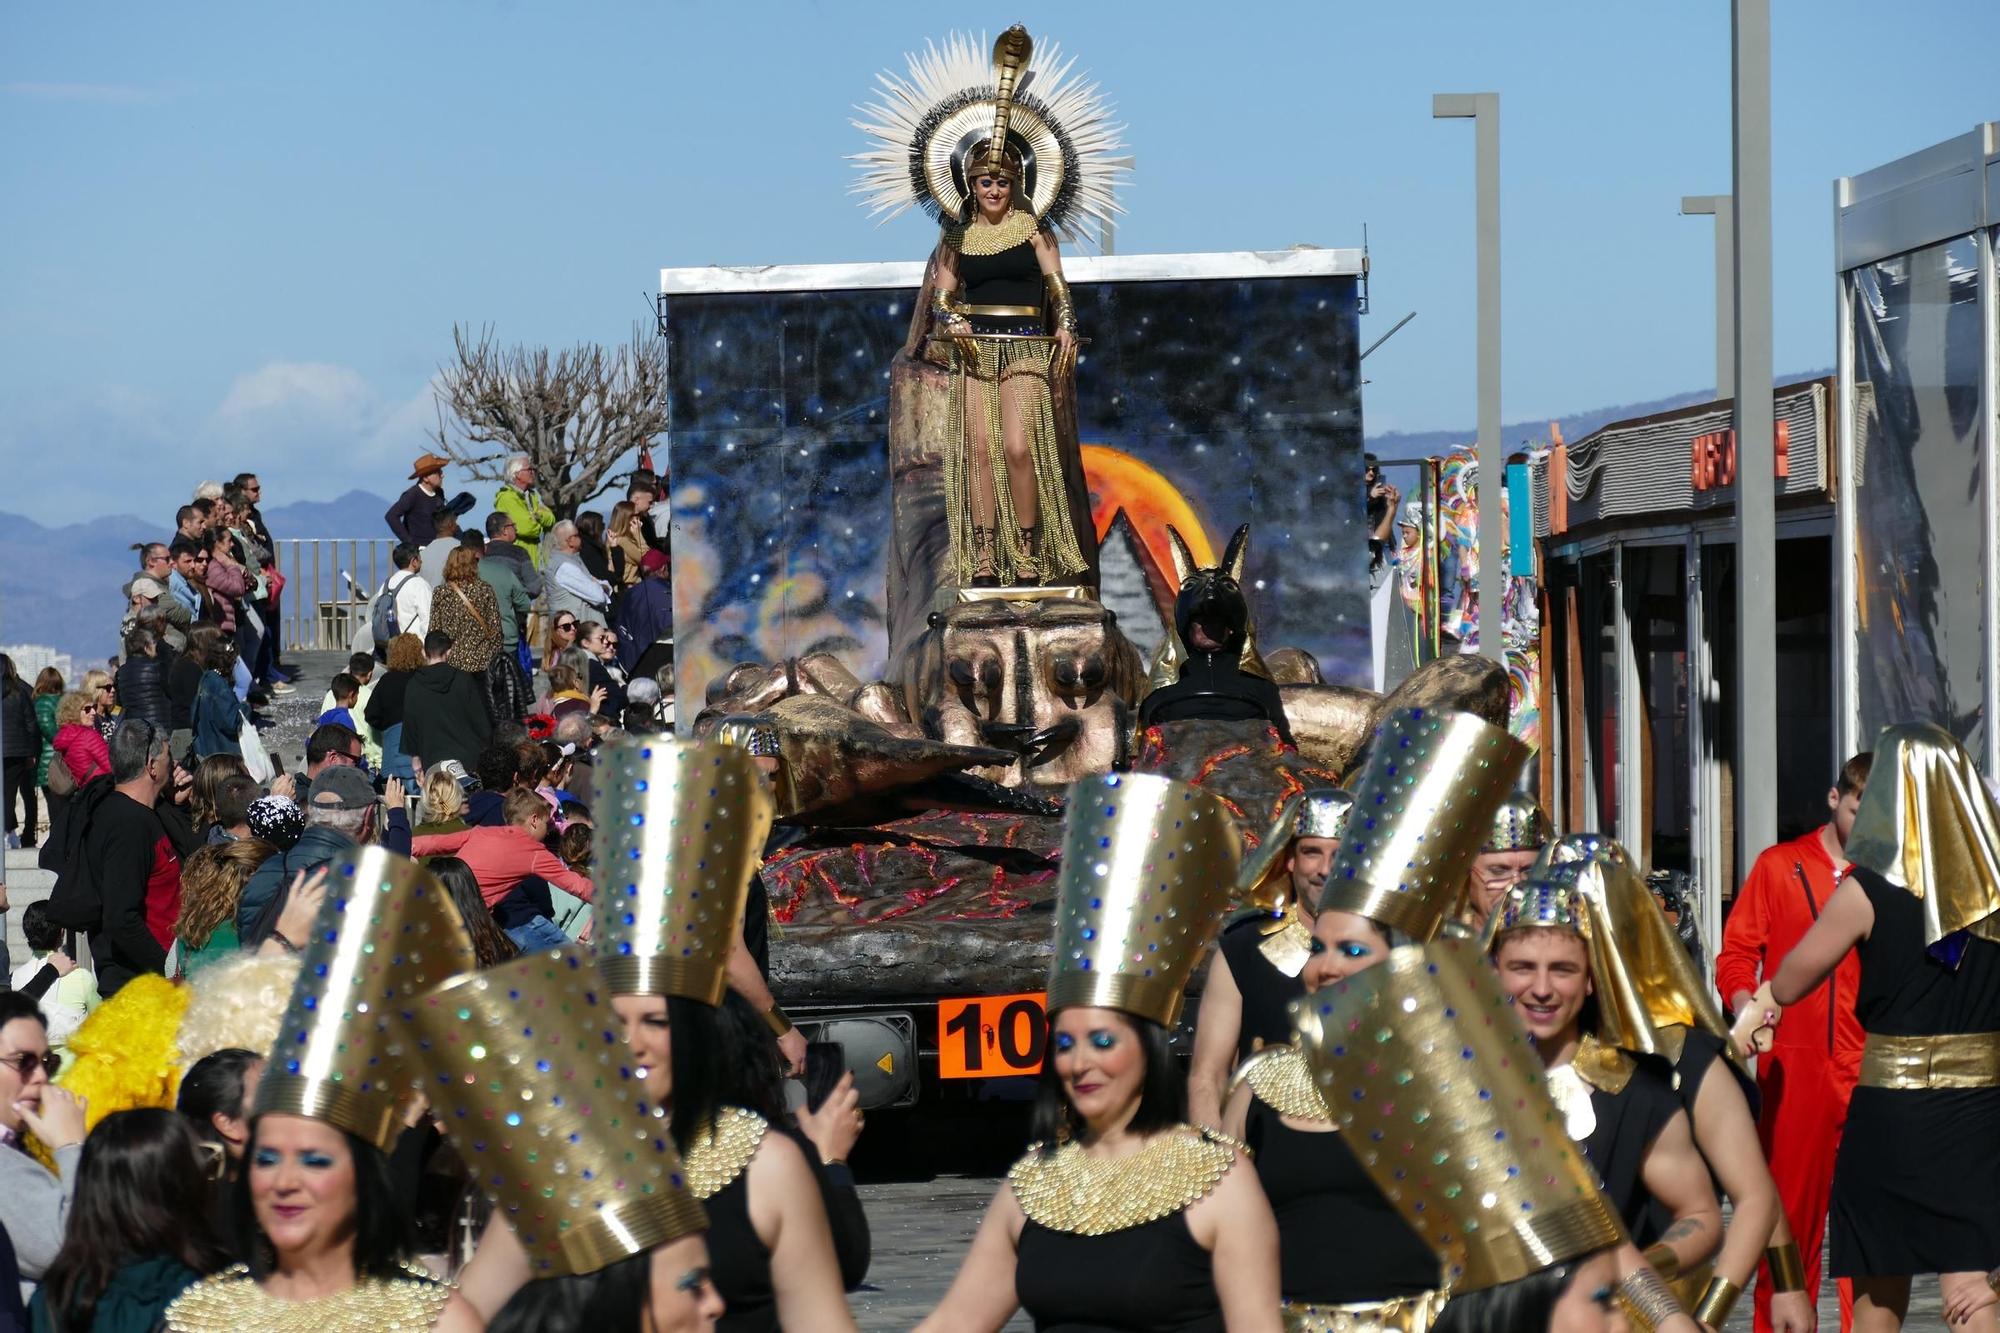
(1805, 1080)
(956, 116)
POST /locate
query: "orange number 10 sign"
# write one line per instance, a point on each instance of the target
(991, 1036)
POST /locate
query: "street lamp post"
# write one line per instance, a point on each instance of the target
(1756, 525)
(1723, 209)
(1483, 109)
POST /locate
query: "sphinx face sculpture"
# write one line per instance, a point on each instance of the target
(1052, 680)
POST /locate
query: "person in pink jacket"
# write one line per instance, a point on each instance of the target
(78, 740)
(501, 856)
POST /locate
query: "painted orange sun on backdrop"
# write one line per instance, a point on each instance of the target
(1121, 484)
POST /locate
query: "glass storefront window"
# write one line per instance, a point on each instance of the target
(1919, 491)
(1656, 610)
(1600, 684)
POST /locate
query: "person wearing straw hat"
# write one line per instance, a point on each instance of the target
(1916, 1185)
(1554, 948)
(1122, 1215)
(680, 826)
(1528, 1240)
(593, 1210)
(1347, 1259)
(1691, 1034)
(1256, 970)
(1520, 831)
(324, 1245)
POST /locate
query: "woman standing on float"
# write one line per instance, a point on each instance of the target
(1121, 1215)
(708, 1062)
(1349, 1262)
(1916, 1187)
(1004, 157)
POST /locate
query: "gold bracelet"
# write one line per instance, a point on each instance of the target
(1061, 308)
(1788, 1271)
(1717, 1300)
(1663, 1259)
(774, 1019)
(1646, 1299)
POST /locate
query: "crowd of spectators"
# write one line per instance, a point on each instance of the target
(502, 653)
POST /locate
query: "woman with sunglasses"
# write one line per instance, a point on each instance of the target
(78, 740)
(562, 638)
(32, 1201)
(606, 672)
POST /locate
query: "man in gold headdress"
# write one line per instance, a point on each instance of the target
(1520, 831)
(1256, 971)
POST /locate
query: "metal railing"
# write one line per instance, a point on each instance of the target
(329, 583)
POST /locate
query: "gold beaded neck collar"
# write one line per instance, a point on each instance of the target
(981, 237)
(232, 1300)
(719, 1156)
(1070, 1191)
(1282, 1080)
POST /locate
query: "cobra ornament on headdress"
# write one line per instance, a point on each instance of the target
(680, 830)
(1423, 804)
(1927, 824)
(1147, 867)
(1435, 1086)
(1560, 899)
(1022, 111)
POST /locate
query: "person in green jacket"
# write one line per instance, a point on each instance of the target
(141, 1214)
(212, 880)
(519, 501)
(48, 693)
(514, 600)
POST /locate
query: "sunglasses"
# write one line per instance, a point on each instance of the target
(24, 1063)
(566, 624)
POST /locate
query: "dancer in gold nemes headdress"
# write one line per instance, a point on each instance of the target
(1122, 1215)
(1005, 155)
(1916, 1187)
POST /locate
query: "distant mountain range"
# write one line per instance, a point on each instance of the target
(59, 586)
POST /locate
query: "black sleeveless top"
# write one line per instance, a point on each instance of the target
(1701, 1054)
(1152, 1278)
(740, 1265)
(1339, 1241)
(1266, 991)
(1904, 991)
(1012, 277)
(1627, 1124)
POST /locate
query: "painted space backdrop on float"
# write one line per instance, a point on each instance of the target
(1220, 400)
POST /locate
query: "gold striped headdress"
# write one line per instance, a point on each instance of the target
(1435, 1085)
(387, 932)
(680, 830)
(528, 1076)
(1147, 867)
(1317, 812)
(1571, 897)
(1928, 824)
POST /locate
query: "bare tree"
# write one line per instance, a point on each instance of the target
(577, 412)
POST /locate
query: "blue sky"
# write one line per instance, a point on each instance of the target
(239, 235)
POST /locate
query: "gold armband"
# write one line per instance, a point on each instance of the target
(1717, 1300)
(1664, 1261)
(1062, 310)
(1788, 1271)
(946, 306)
(1647, 1301)
(774, 1018)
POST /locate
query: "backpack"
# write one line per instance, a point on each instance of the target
(383, 622)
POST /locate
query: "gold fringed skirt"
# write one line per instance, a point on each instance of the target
(978, 387)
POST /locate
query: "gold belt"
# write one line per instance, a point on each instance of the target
(1034, 310)
(1405, 1314)
(1952, 1060)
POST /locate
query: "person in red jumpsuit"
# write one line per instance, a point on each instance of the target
(1806, 1077)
